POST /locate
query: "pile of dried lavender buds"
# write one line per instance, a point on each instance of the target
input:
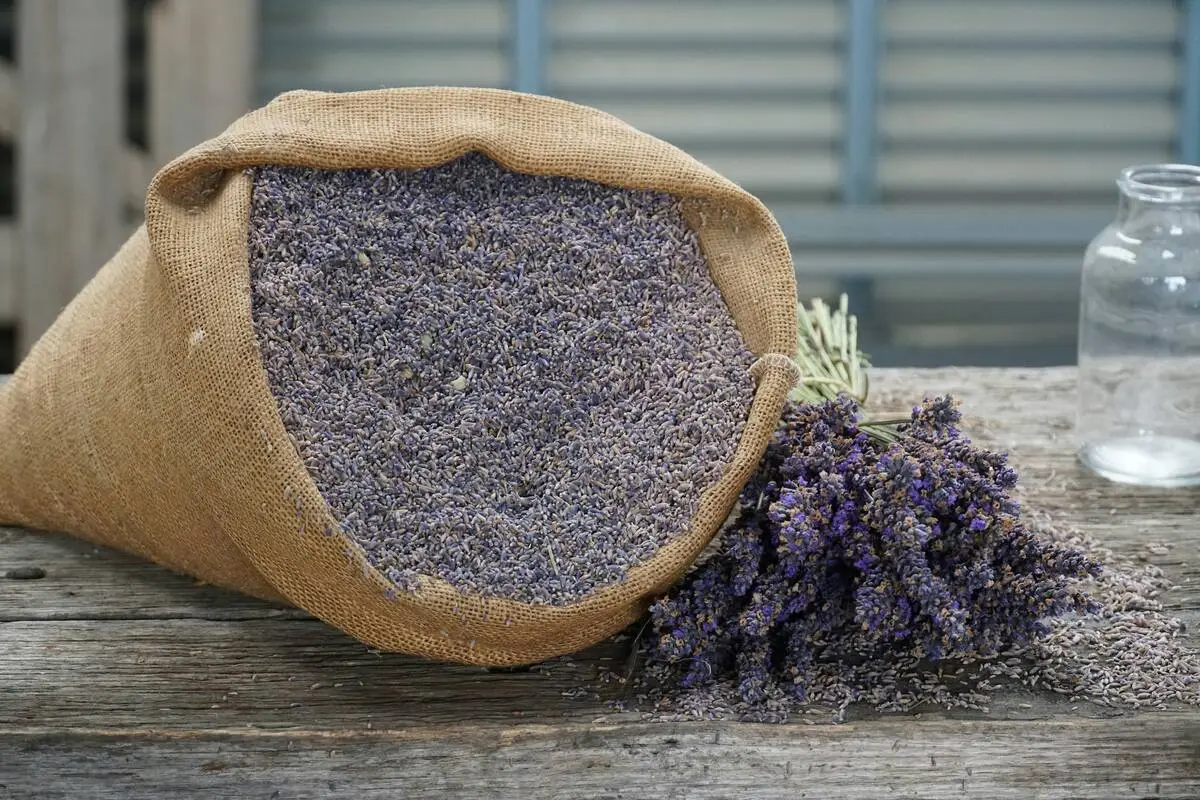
(518, 384)
(887, 565)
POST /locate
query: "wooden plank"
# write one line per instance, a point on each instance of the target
(136, 166)
(287, 674)
(8, 266)
(202, 59)
(1144, 758)
(10, 104)
(280, 674)
(86, 582)
(139, 685)
(69, 182)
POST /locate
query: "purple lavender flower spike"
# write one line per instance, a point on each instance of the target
(850, 547)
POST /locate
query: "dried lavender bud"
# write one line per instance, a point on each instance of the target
(1126, 652)
(858, 551)
(520, 385)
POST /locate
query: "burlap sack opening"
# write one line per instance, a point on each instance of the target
(143, 419)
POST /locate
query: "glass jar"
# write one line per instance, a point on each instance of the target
(1139, 333)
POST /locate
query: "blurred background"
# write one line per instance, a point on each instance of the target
(943, 161)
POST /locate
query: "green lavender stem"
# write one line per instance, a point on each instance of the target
(831, 363)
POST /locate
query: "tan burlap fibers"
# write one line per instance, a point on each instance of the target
(143, 419)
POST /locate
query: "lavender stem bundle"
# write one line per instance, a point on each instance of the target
(860, 541)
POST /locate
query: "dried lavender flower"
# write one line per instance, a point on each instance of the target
(520, 385)
(886, 563)
(1126, 652)
(880, 550)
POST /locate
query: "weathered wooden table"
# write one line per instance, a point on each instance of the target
(120, 680)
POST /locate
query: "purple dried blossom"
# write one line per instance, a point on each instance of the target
(518, 384)
(849, 547)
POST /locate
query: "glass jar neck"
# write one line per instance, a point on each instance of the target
(1147, 192)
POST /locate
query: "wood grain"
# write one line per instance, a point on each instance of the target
(202, 56)
(302, 675)
(283, 674)
(8, 268)
(87, 582)
(69, 174)
(136, 167)
(997, 761)
(123, 680)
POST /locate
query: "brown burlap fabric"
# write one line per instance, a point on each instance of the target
(143, 419)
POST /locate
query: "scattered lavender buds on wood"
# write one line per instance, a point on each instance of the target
(913, 546)
(1126, 652)
(520, 385)
(887, 563)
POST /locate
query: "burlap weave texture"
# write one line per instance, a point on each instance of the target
(143, 419)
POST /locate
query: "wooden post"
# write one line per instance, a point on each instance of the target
(70, 55)
(201, 70)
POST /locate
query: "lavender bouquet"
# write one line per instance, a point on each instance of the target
(860, 541)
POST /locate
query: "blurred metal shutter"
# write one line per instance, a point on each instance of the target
(1025, 100)
(1021, 114)
(369, 44)
(991, 132)
(1001, 129)
(750, 88)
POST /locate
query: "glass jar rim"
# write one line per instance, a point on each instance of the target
(1161, 183)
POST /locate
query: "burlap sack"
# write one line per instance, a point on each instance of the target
(143, 419)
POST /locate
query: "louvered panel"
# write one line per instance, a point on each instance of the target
(1027, 107)
(955, 305)
(1004, 316)
(981, 299)
(1117, 22)
(772, 173)
(360, 20)
(582, 21)
(688, 121)
(577, 70)
(1085, 170)
(914, 270)
(366, 44)
(1071, 72)
(752, 89)
(1024, 98)
(932, 122)
(332, 70)
(996, 335)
